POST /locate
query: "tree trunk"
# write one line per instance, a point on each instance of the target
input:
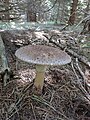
(31, 16)
(72, 17)
(31, 12)
(6, 15)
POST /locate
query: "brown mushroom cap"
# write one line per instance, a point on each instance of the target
(43, 55)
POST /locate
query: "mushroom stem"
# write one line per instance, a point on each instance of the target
(39, 81)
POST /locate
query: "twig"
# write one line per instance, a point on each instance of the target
(9, 118)
(80, 70)
(51, 7)
(82, 21)
(82, 74)
(50, 103)
(33, 111)
(16, 104)
(64, 27)
(80, 87)
(41, 100)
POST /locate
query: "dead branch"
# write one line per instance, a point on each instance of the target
(5, 70)
(69, 51)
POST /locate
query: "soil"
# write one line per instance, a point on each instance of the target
(61, 98)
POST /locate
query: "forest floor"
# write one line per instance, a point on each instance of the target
(66, 94)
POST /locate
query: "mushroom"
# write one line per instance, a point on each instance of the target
(42, 56)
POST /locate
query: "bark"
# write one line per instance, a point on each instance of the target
(72, 17)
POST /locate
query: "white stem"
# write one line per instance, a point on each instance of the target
(40, 74)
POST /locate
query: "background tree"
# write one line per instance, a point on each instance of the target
(50, 11)
(31, 11)
(6, 15)
(73, 12)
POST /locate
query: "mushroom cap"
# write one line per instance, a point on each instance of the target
(43, 55)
